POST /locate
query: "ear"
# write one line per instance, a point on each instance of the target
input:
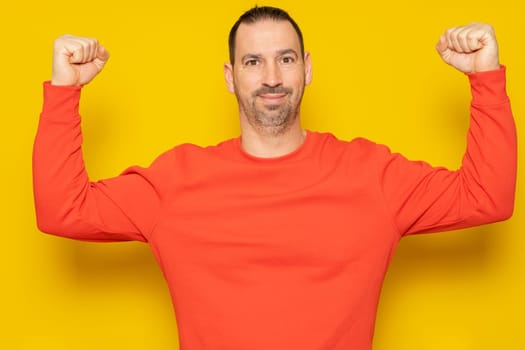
(228, 76)
(307, 68)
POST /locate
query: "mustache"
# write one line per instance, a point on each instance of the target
(272, 90)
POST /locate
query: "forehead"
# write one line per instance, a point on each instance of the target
(266, 36)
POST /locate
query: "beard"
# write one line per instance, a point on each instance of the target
(270, 119)
(272, 115)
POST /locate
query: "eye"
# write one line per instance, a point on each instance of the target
(287, 59)
(251, 62)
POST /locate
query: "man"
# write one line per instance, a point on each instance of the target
(279, 239)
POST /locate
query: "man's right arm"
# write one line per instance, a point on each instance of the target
(66, 202)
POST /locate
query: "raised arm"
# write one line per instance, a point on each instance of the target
(66, 202)
(426, 199)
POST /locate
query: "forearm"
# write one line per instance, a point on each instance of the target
(59, 176)
(66, 202)
(490, 163)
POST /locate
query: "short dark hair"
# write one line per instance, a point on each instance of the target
(257, 14)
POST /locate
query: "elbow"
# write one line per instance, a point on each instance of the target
(54, 215)
(504, 212)
(505, 205)
(493, 204)
(52, 221)
(48, 225)
(501, 210)
(57, 227)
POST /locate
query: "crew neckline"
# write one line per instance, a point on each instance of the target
(300, 153)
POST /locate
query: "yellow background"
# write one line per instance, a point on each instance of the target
(376, 74)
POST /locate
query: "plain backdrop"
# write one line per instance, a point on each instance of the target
(376, 75)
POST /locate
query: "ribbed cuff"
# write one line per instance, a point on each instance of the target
(60, 101)
(489, 88)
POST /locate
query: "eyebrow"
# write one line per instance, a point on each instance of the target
(287, 51)
(279, 53)
(250, 56)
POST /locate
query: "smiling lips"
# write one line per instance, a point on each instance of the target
(273, 97)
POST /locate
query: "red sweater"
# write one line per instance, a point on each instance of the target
(282, 253)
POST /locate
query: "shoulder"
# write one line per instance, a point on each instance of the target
(193, 150)
(189, 154)
(358, 146)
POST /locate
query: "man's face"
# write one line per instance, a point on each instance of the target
(269, 74)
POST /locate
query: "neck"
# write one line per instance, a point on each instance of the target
(268, 145)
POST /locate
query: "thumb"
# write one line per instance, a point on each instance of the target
(102, 53)
(444, 50)
(102, 57)
(442, 45)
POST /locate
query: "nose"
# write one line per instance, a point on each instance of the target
(272, 75)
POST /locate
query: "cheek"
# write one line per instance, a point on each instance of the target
(294, 78)
(247, 81)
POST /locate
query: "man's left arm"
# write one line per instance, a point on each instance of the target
(426, 199)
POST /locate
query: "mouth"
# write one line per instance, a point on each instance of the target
(273, 97)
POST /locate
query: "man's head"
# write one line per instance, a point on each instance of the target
(268, 71)
(257, 14)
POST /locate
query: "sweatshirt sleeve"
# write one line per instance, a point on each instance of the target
(67, 203)
(422, 198)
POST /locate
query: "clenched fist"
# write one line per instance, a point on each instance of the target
(77, 60)
(470, 49)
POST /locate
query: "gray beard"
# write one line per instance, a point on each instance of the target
(274, 120)
(270, 120)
